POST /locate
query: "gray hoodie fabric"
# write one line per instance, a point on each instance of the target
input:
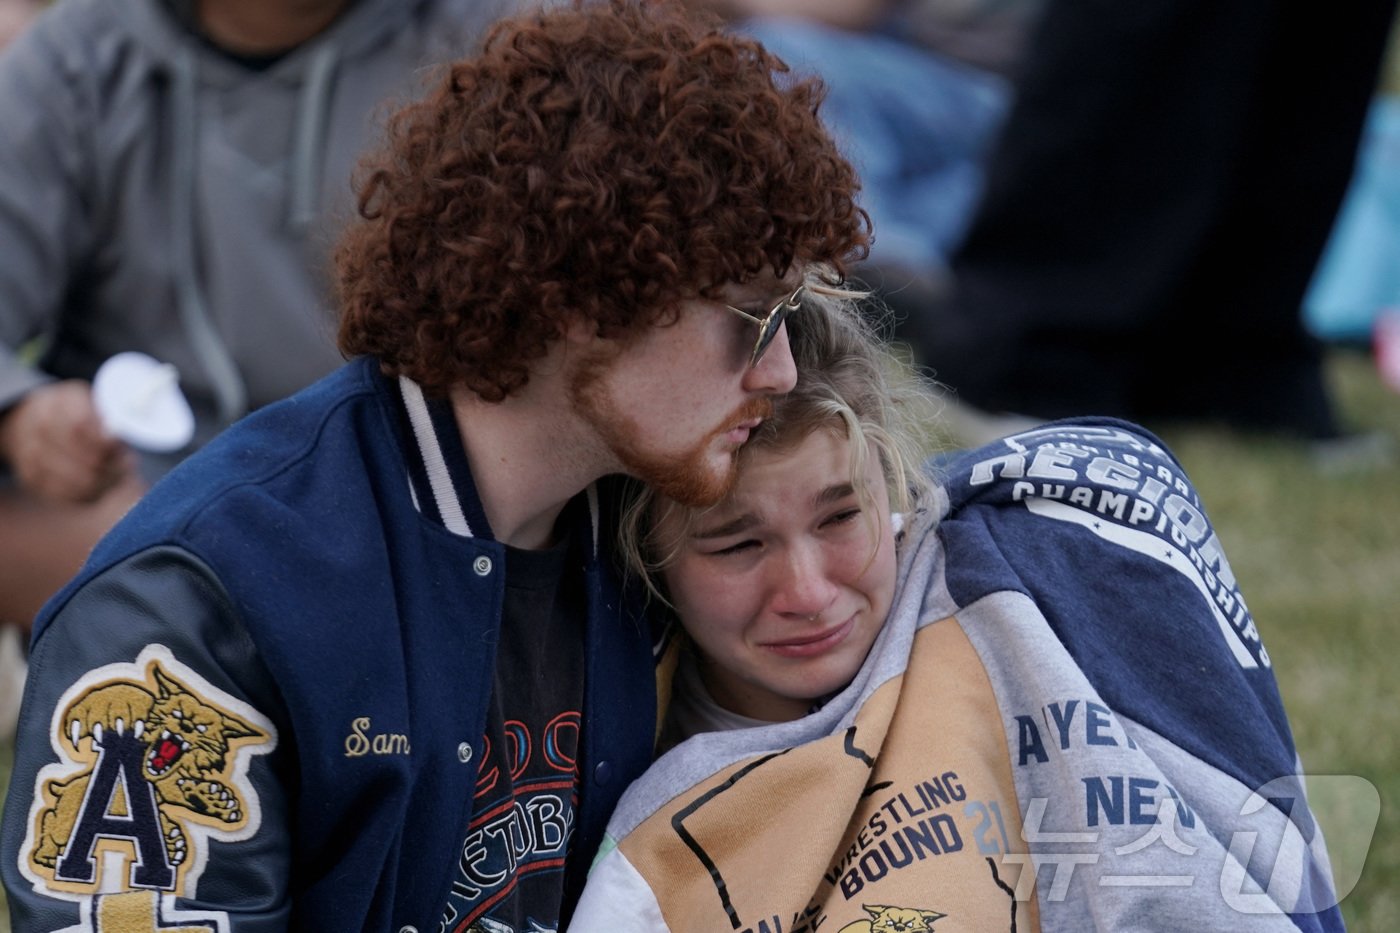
(156, 195)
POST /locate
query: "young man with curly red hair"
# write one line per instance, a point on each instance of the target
(364, 663)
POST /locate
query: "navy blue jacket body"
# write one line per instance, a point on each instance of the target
(298, 577)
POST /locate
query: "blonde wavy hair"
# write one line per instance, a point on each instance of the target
(848, 380)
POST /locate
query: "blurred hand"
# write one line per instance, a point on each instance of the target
(54, 442)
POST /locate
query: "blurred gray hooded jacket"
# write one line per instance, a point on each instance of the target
(156, 195)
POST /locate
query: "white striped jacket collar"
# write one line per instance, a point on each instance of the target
(440, 481)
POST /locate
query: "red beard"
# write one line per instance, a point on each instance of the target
(686, 477)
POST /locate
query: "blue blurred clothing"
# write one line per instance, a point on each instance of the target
(916, 125)
(1359, 275)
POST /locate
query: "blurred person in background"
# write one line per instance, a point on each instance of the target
(14, 16)
(171, 175)
(1153, 212)
(917, 91)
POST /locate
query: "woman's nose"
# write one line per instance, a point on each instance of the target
(803, 586)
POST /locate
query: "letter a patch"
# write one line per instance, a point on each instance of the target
(152, 764)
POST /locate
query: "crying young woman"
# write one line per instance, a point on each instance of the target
(1012, 688)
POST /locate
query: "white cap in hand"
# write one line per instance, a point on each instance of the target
(139, 401)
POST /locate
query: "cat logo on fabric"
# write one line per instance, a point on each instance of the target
(153, 763)
(894, 920)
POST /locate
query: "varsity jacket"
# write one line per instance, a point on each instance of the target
(260, 705)
(1068, 723)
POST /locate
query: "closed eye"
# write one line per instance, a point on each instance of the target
(737, 548)
(842, 517)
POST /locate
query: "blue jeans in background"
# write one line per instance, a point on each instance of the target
(918, 128)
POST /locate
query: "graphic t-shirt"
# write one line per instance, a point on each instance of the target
(510, 875)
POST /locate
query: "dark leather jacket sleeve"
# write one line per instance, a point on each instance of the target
(150, 786)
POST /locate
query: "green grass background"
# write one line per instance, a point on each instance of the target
(1317, 554)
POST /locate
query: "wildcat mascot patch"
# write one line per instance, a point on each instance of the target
(894, 920)
(153, 764)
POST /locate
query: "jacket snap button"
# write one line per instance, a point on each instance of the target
(482, 566)
(464, 752)
(408, 929)
(603, 773)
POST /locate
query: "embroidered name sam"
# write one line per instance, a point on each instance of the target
(361, 741)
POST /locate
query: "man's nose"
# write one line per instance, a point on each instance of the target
(776, 372)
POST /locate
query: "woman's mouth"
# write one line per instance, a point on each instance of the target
(812, 644)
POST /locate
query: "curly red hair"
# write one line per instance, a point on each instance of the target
(607, 161)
